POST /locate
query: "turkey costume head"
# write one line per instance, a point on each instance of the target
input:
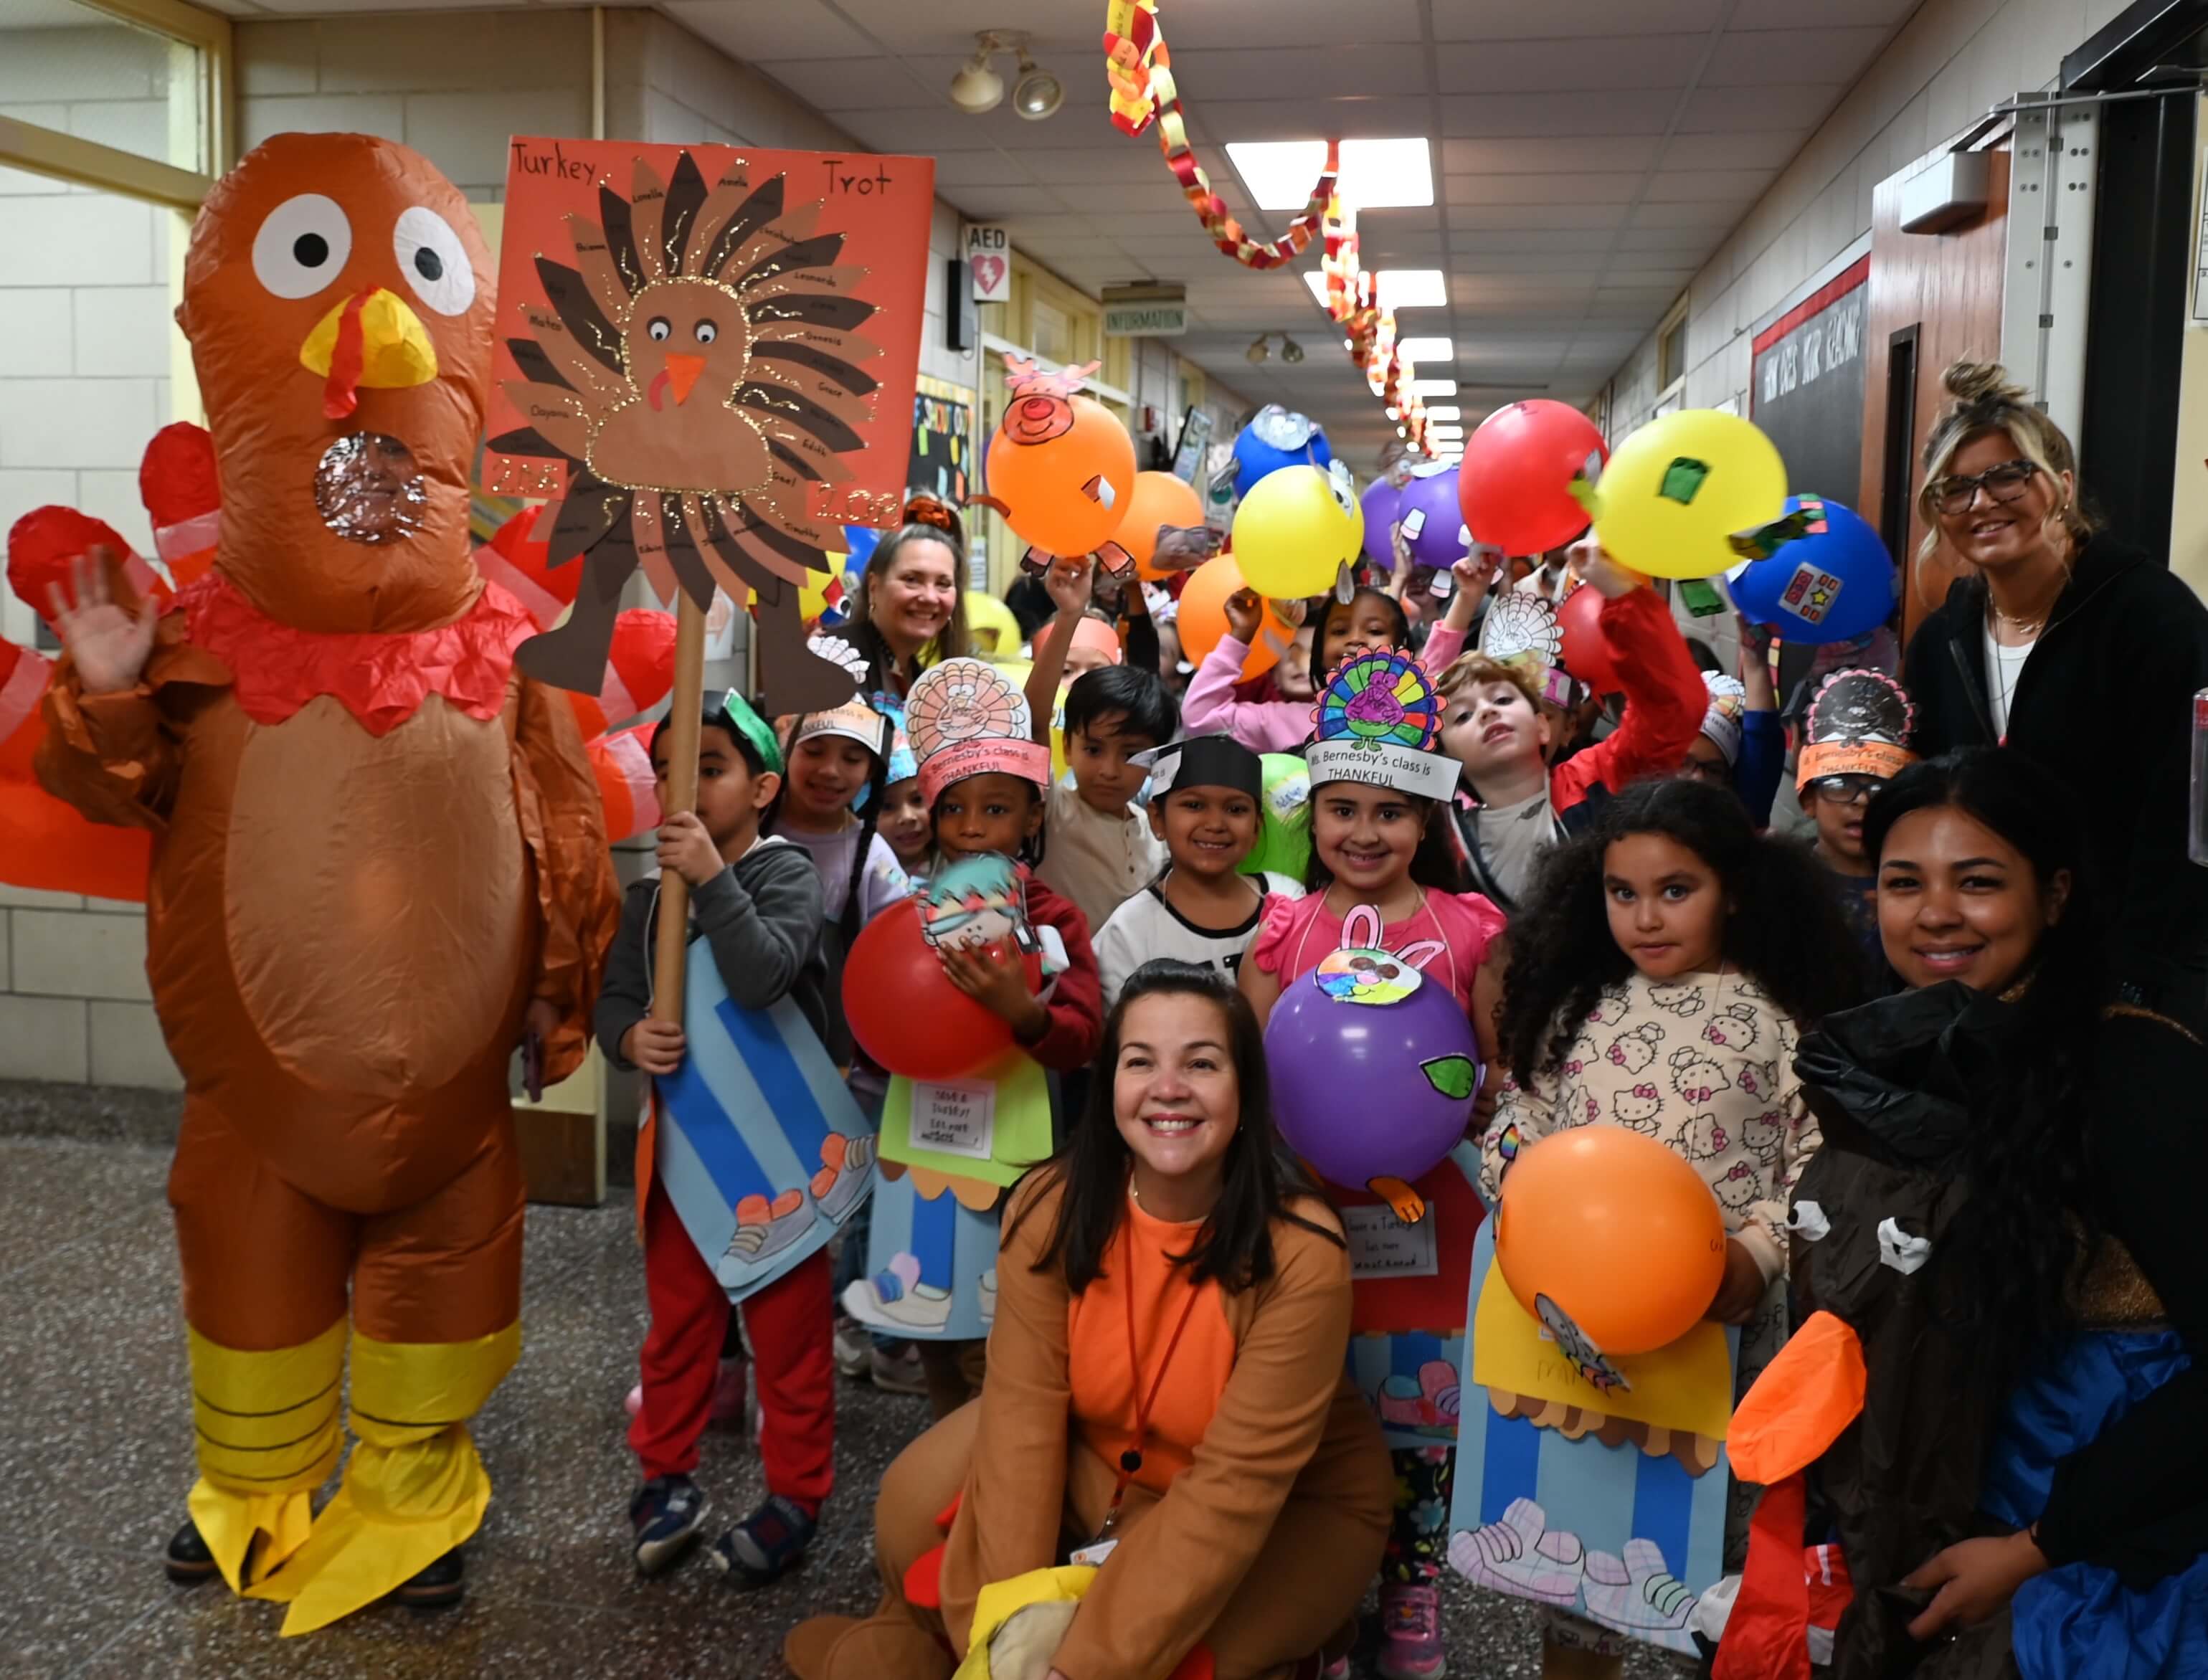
(339, 299)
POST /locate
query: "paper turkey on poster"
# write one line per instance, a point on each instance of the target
(708, 358)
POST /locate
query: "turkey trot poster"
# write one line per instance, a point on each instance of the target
(708, 357)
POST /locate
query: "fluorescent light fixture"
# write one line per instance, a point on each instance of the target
(1428, 350)
(1444, 412)
(1376, 174)
(1433, 387)
(1411, 289)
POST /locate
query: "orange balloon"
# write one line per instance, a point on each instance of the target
(1065, 477)
(1202, 618)
(1618, 1231)
(1158, 498)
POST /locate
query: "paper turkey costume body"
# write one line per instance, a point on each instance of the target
(374, 844)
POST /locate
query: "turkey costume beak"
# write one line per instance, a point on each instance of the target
(373, 339)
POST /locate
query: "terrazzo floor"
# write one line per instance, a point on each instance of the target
(95, 1459)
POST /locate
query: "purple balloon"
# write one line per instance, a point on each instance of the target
(1369, 1090)
(1382, 499)
(1439, 541)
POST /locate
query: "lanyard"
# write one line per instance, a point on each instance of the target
(1130, 1460)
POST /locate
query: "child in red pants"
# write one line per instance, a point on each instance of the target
(755, 904)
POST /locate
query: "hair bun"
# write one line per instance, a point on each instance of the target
(1969, 381)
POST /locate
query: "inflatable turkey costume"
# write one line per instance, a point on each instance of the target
(376, 851)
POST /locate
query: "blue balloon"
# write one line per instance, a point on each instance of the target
(1837, 584)
(1276, 439)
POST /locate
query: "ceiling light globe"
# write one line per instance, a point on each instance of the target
(976, 88)
(1037, 95)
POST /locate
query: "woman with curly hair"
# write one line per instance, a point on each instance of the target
(2002, 1221)
(1659, 980)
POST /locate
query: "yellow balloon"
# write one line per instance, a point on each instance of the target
(991, 628)
(1294, 530)
(1677, 488)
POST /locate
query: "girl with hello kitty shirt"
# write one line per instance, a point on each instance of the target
(1660, 979)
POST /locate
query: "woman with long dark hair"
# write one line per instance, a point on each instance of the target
(2068, 643)
(1997, 1236)
(1167, 1396)
(911, 609)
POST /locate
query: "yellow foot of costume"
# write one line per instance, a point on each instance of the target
(267, 1426)
(413, 1489)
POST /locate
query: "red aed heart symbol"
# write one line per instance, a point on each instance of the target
(988, 273)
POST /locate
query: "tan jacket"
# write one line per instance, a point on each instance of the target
(1288, 1427)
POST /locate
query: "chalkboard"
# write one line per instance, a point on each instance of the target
(1806, 389)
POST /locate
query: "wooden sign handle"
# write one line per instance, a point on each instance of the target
(671, 949)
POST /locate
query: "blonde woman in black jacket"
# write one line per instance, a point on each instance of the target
(2072, 647)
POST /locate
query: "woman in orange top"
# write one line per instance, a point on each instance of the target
(1167, 1388)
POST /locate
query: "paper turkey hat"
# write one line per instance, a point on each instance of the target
(1378, 721)
(1858, 725)
(964, 717)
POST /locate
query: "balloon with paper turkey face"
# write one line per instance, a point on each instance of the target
(1060, 466)
(339, 300)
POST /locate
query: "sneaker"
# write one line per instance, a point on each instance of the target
(854, 1347)
(440, 1587)
(765, 1545)
(897, 1373)
(188, 1562)
(1411, 1632)
(666, 1514)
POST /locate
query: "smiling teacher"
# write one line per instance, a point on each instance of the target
(1166, 1397)
(2079, 650)
(911, 611)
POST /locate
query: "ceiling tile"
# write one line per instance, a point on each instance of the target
(1731, 110)
(1712, 218)
(757, 31)
(1588, 65)
(1833, 56)
(1708, 186)
(1511, 19)
(1342, 70)
(1474, 219)
(1519, 115)
(1060, 28)
(865, 84)
(1554, 156)
(1798, 14)
(980, 169)
(1774, 147)
(1287, 23)
(1492, 189)
(1000, 204)
(1268, 118)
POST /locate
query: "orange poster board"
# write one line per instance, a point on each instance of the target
(708, 357)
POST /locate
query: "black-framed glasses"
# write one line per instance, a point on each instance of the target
(1849, 789)
(2005, 483)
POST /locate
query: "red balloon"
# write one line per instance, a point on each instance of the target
(905, 1012)
(1515, 482)
(1587, 650)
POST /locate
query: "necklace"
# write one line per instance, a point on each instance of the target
(1131, 1459)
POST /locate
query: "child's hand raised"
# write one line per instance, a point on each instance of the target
(1741, 1292)
(1244, 612)
(994, 977)
(687, 849)
(1071, 585)
(1591, 564)
(654, 1045)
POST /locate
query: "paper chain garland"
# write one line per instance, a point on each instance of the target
(1143, 88)
(1140, 69)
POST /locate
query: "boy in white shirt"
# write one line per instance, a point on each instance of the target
(1206, 806)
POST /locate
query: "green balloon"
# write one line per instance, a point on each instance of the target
(1284, 844)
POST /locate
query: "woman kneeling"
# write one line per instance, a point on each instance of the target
(1167, 1398)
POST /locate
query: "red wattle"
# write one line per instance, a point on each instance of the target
(652, 391)
(341, 394)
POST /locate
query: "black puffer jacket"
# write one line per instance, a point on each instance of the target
(2105, 703)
